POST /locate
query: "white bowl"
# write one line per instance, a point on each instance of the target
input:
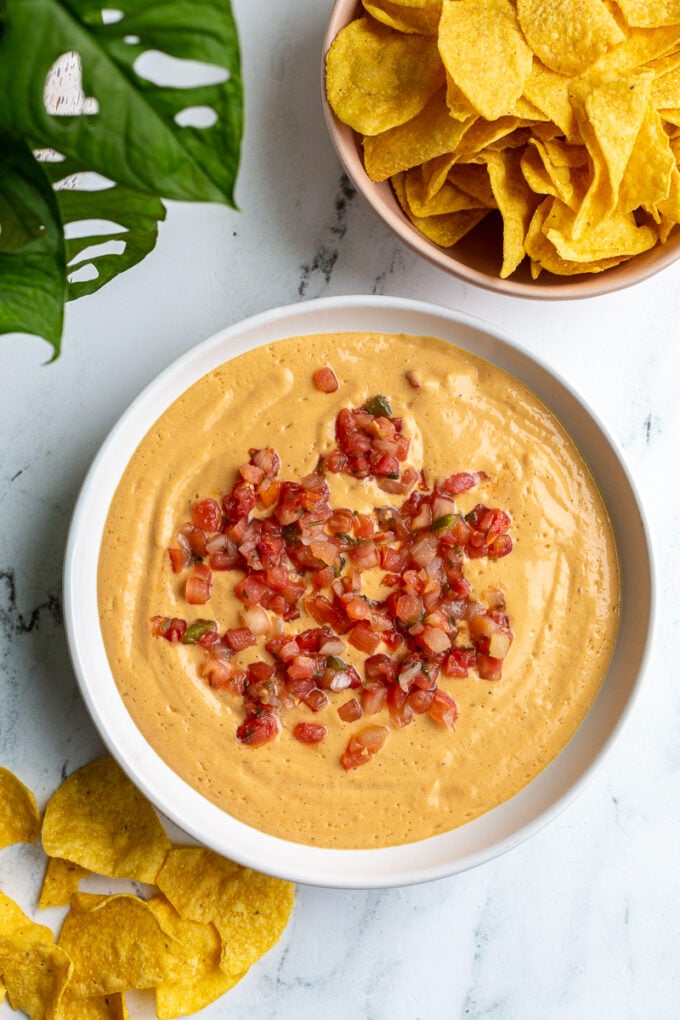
(488, 836)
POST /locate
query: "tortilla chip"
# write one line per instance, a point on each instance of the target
(647, 178)
(448, 198)
(650, 13)
(568, 35)
(33, 970)
(433, 132)
(484, 53)
(423, 20)
(516, 203)
(116, 944)
(610, 116)
(19, 817)
(616, 236)
(444, 230)
(196, 977)
(98, 819)
(249, 910)
(95, 1007)
(377, 78)
(549, 92)
(60, 882)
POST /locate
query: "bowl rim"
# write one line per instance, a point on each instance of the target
(440, 856)
(383, 204)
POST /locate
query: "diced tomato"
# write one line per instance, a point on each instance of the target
(258, 727)
(179, 559)
(350, 711)
(420, 701)
(363, 638)
(462, 481)
(373, 699)
(325, 379)
(170, 627)
(459, 662)
(443, 709)
(362, 746)
(238, 638)
(207, 514)
(198, 588)
(309, 733)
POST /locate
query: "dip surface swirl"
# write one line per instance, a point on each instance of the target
(561, 586)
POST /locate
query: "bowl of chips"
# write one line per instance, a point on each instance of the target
(527, 148)
(153, 770)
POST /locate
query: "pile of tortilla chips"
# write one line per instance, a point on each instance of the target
(205, 922)
(563, 115)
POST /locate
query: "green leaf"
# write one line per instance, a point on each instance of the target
(140, 140)
(134, 138)
(32, 258)
(133, 216)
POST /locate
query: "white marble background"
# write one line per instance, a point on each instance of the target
(580, 922)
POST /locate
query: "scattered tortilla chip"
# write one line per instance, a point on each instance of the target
(484, 53)
(34, 971)
(249, 910)
(19, 817)
(98, 819)
(378, 78)
(95, 1007)
(197, 978)
(60, 882)
(116, 944)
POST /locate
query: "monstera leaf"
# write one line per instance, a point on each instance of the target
(146, 140)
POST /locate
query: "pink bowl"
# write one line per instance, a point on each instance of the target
(477, 257)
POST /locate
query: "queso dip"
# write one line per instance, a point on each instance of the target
(560, 585)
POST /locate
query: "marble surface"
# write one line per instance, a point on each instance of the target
(581, 921)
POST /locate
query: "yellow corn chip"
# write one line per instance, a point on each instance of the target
(474, 180)
(423, 20)
(484, 53)
(60, 882)
(95, 1007)
(377, 78)
(115, 943)
(610, 116)
(549, 92)
(617, 236)
(19, 817)
(98, 819)
(34, 971)
(647, 178)
(249, 910)
(445, 230)
(448, 199)
(516, 203)
(435, 171)
(650, 13)
(568, 35)
(196, 977)
(431, 133)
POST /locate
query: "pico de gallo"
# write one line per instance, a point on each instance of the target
(299, 554)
